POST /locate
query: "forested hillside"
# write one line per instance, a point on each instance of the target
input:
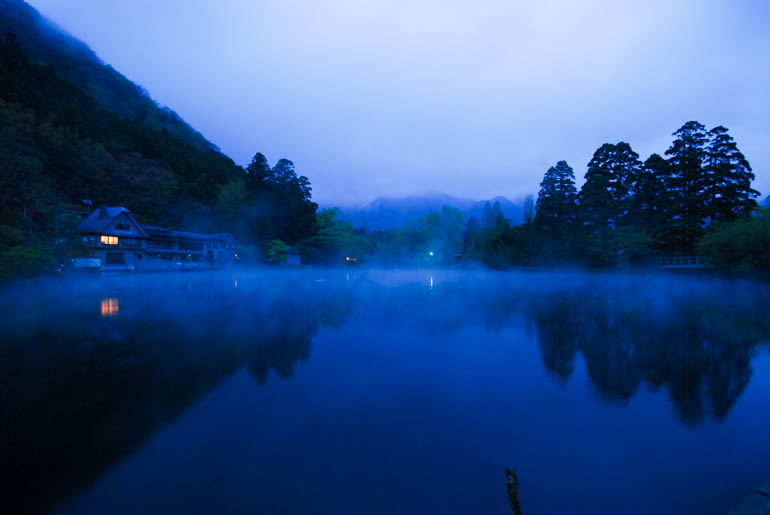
(71, 127)
(72, 60)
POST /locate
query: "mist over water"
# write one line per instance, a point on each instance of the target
(383, 391)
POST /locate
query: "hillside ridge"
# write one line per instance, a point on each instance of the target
(46, 43)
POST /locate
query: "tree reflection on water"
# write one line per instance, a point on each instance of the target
(84, 383)
(81, 388)
(697, 349)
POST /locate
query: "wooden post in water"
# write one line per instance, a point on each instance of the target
(512, 485)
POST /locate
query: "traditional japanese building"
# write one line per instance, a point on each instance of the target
(111, 239)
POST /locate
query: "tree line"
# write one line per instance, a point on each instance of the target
(59, 144)
(697, 200)
(661, 205)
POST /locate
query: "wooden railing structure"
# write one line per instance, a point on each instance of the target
(683, 262)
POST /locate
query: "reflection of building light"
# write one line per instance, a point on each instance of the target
(431, 282)
(236, 283)
(110, 307)
(109, 240)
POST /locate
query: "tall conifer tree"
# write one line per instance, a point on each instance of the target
(729, 177)
(650, 199)
(605, 198)
(257, 174)
(687, 187)
(556, 207)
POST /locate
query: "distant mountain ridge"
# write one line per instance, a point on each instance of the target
(393, 212)
(74, 61)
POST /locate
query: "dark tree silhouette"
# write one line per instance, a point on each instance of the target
(649, 199)
(687, 186)
(728, 178)
(259, 172)
(556, 208)
(605, 197)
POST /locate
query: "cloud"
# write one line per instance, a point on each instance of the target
(473, 98)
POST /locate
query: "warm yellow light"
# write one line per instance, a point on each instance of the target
(110, 307)
(109, 240)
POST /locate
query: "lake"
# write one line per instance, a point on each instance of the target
(358, 391)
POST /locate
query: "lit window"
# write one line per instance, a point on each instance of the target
(109, 240)
(110, 307)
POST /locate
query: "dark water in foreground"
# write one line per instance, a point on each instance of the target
(383, 392)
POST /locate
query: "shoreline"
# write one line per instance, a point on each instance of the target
(755, 503)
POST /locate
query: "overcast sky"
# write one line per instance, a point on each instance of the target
(474, 98)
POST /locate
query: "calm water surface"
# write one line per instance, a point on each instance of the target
(355, 391)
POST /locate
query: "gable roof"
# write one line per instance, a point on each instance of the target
(102, 217)
(99, 219)
(156, 231)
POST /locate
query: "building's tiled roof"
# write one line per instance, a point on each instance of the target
(101, 218)
(221, 236)
(154, 230)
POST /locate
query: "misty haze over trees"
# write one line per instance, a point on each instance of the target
(183, 333)
(697, 201)
(386, 213)
(72, 128)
